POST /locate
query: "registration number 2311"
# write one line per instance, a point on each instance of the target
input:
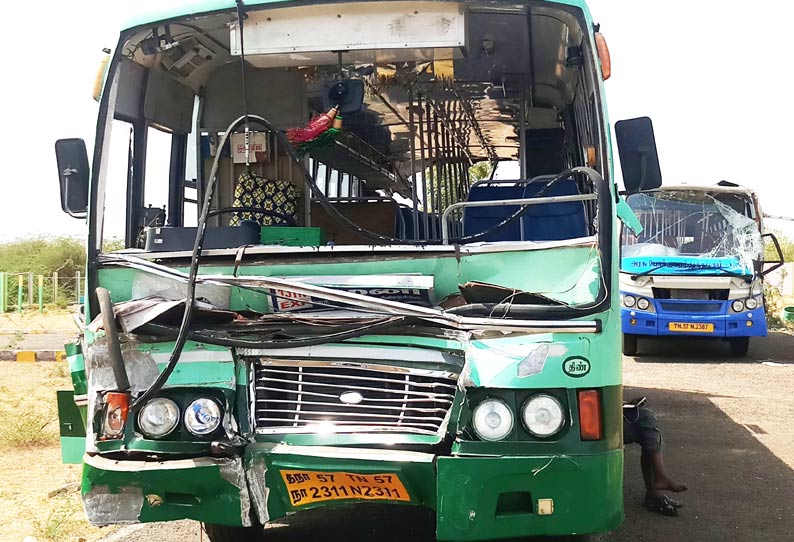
(306, 487)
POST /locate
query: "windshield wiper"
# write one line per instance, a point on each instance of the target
(693, 268)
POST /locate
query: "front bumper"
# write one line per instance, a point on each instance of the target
(637, 322)
(475, 498)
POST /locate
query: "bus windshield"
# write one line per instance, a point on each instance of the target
(701, 231)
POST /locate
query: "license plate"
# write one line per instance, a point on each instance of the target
(691, 326)
(308, 486)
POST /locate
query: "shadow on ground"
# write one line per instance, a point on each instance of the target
(777, 348)
(739, 490)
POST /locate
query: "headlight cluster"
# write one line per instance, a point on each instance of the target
(739, 305)
(629, 301)
(543, 416)
(160, 417)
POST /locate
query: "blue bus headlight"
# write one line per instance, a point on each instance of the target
(629, 301)
(643, 304)
(751, 303)
(492, 420)
(543, 415)
(202, 416)
(158, 417)
(737, 306)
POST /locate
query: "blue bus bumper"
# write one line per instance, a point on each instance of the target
(726, 324)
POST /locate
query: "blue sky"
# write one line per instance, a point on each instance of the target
(712, 76)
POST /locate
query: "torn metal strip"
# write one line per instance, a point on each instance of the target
(373, 304)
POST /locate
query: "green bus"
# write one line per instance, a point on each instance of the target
(370, 256)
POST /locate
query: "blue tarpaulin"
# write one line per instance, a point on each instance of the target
(684, 265)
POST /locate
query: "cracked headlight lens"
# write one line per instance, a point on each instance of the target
(158, 417)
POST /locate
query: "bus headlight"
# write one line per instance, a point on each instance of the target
(737, 306)
(751, 303)
(629, 301)
(543, 415)
(158, 417)
(643, 304)
(202, 416)
(492, 420)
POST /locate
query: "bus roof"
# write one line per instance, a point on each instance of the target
(181, 8)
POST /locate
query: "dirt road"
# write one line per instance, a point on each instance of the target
(729, 435)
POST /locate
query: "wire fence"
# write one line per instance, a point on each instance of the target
(20, 291)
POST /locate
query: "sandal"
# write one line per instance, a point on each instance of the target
(661, 506)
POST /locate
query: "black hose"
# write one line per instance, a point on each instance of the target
(112, 335)
(187, 316)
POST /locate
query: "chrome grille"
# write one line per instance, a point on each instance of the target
(315, 397)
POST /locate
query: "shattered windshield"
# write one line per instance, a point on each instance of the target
(692, 231)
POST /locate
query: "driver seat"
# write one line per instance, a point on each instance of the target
(253, 190)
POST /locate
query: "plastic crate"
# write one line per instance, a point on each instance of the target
(292, 236)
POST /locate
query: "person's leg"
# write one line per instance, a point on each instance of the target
(654, 473)
(662, 480)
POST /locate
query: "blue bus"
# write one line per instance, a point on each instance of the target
(696, 266)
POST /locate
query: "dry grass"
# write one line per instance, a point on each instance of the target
(30, 462)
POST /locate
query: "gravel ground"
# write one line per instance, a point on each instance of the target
(728, 435)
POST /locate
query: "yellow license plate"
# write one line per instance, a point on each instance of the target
(691, 326)
(308, 486)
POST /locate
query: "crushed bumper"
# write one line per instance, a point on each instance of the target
(475, 498)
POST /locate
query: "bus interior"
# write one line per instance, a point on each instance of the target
(501, 100)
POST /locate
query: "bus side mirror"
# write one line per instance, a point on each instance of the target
(73, 175)
(638, 158)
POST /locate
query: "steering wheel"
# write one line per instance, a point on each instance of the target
(287, 219)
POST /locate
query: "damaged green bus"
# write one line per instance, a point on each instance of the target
(382, 268)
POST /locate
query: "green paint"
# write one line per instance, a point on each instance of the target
(209, 374)
(575, 281)
(202, 493)
(627, 216)
(587, 491)
(72, 450)
(71, 423)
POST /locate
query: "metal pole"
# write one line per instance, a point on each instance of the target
(41, 293)
(78, 288)
(19, 292)
(522, 132)
(55, 287)
(3, 291)
(426, 213)
(439, 206)
(412, 145)
(30, 288)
